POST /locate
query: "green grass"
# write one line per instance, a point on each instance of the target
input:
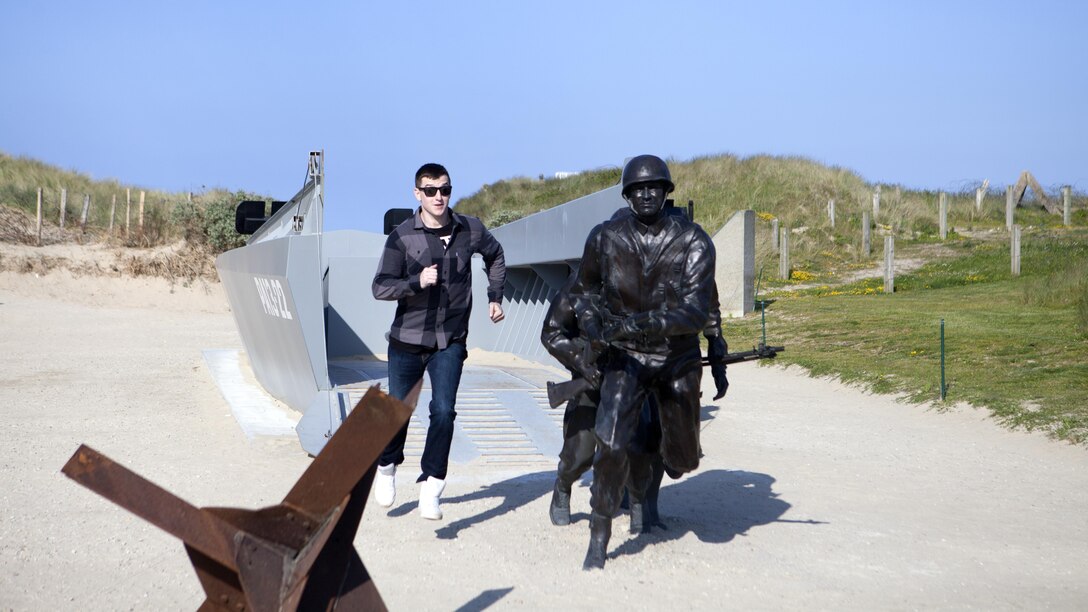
(1015, 345)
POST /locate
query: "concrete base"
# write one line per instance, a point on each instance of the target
(735, 244)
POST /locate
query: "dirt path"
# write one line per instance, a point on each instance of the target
(920, 255)
(811, 495)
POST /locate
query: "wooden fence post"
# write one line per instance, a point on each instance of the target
(831, 211)
(774, 234)
(978, 199)
(83, 217)
(1067, 196)
(943, 198)
(784, 254)
(39, 216)
(128, 211)
(1015, 250)
(889, 264)
(113, 208)
(1009, 206)
(866, 235)
(63, 205)
(141, 214)
(876, 204)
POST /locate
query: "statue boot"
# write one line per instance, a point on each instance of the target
(639, 518)
(559, 512)
(650, 515)
(600, 530)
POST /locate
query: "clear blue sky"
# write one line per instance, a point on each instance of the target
(181, 95)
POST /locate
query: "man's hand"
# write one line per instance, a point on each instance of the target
(494, 310)
(429, 276)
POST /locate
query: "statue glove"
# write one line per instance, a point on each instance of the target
(591, 332)
(721, 382)
(586, 365)
(635, 326)
(716, 350)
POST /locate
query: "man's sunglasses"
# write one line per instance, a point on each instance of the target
(430, 190)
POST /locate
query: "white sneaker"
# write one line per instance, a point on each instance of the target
(385, 485)
(429, 493)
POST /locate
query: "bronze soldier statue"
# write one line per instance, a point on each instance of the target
(565, 342)
(642, 296)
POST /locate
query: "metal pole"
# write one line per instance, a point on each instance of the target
(763, 321)
(762, 309)
(943, 388)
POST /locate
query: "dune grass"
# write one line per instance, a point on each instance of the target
(1015, 345)
(21, 177)
(206, 220)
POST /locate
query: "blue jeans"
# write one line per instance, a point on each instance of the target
(444, 367)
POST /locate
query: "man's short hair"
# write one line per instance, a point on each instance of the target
(431, 171)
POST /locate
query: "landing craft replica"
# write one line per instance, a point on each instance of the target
(301, 296)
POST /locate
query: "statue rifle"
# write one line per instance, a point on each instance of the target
(560, 393)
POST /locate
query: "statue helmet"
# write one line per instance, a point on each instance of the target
(646, 169)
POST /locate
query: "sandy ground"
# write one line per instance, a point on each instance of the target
(811, 496)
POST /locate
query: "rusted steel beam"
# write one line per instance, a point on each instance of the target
(152, 503)
(297, 555)
(346, 457)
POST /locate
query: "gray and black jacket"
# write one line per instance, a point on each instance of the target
(437, 315)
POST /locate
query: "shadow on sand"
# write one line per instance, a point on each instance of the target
(514, 493)
(485, 600)
(715, 505)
